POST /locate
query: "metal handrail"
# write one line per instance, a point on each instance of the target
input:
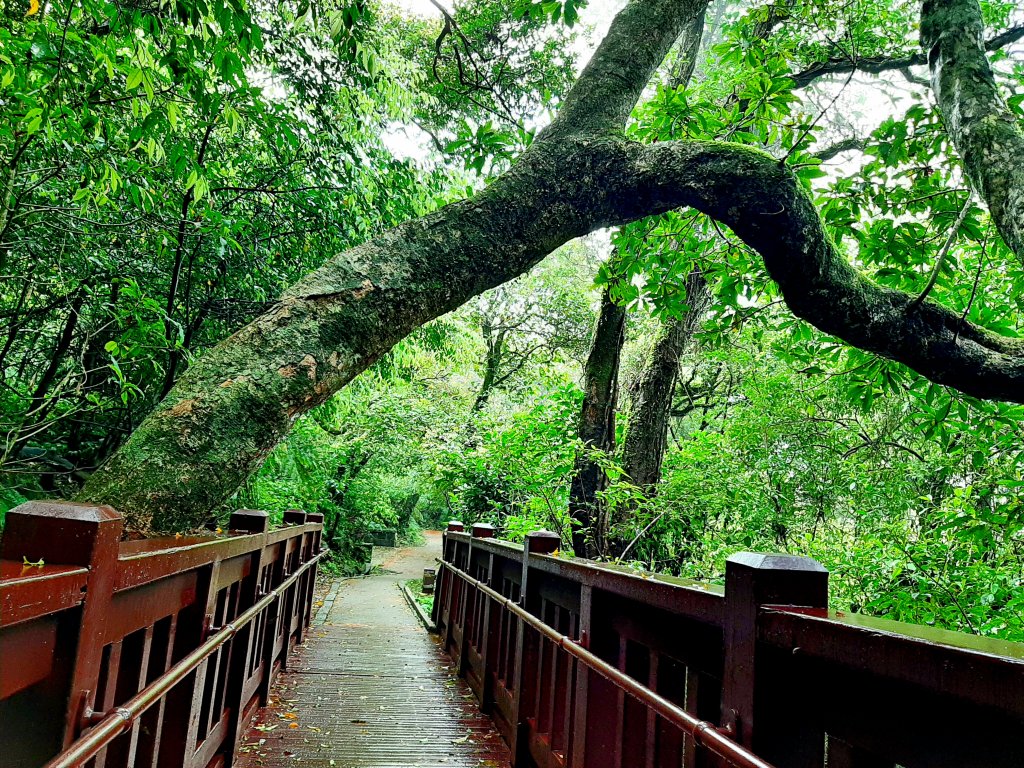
(120, 719)
(702, 732)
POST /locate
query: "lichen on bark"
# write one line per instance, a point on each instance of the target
(234, 404)
(984, 131)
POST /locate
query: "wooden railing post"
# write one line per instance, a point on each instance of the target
(486, 531)
(540, 542)
(757, 705)
(442, 600)
(527, 649)
(483, 531)
(246, 643)
(62, 533)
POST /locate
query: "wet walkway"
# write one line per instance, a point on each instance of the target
(371, 688)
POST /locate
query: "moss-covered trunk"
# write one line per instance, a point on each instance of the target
(596, 427)
(643, 448)
(981, 125)
(221, 419)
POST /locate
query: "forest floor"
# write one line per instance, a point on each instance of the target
(370, 688)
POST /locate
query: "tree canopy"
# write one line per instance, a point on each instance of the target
(228, 225)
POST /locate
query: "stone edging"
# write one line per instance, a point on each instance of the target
(418, 609)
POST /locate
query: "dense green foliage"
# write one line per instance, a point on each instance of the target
(167, 172)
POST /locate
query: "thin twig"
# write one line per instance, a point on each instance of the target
(943, 253)
(974, 290)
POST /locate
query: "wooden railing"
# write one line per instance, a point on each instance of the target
(587, 665)
(147, 653)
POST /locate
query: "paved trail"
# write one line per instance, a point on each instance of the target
(371, 688)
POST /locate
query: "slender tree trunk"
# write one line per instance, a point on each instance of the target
(495, 341)
(643, 448)
(17, 323)
(581, 173)
(38, 406)
(174, 353)
(596, 427)
(6, 190)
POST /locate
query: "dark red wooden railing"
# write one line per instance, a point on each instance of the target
(147, 653)
(587, 665)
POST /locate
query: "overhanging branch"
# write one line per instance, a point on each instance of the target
(878, 64)
(769, 210)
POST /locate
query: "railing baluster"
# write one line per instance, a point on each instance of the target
(106, 695)
(651, 730)
(271, 621)
(252, 522)
(581, 696)
(153, 721)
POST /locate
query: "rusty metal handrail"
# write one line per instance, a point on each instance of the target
(120, 719)
(701, 731)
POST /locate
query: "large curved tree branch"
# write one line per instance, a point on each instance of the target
(767, 208)
(237, 401)
(980, 124)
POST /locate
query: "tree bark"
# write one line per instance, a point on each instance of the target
(600, 382)
(647, 427)
(495, 340)
(978, 121)
(596, 427)
(228, 411)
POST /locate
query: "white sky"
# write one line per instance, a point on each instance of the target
(409, 142)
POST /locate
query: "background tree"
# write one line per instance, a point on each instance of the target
(803, 169)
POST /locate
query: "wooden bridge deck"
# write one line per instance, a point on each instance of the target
(371, 689)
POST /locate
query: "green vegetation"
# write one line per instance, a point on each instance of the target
(789, 180)
(426, 602)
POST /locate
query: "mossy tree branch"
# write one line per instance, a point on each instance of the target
(769, 210)
(235, 403)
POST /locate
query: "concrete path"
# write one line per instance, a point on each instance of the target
(371, 688)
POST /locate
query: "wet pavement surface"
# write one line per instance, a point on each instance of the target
(370, 688)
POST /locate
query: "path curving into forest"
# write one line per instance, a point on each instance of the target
(371, 688)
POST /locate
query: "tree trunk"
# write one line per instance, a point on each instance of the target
(596, 427)
(643, 448)
(495, 341)
(227, 412)
(647, 427)
(980, 123)
(39, 405)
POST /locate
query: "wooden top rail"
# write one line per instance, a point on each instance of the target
(109, 726)
(983, 670)
(152, 652)
(702, 732)
(764, 659)
(29, 591)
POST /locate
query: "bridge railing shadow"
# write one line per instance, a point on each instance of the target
(587, 665)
